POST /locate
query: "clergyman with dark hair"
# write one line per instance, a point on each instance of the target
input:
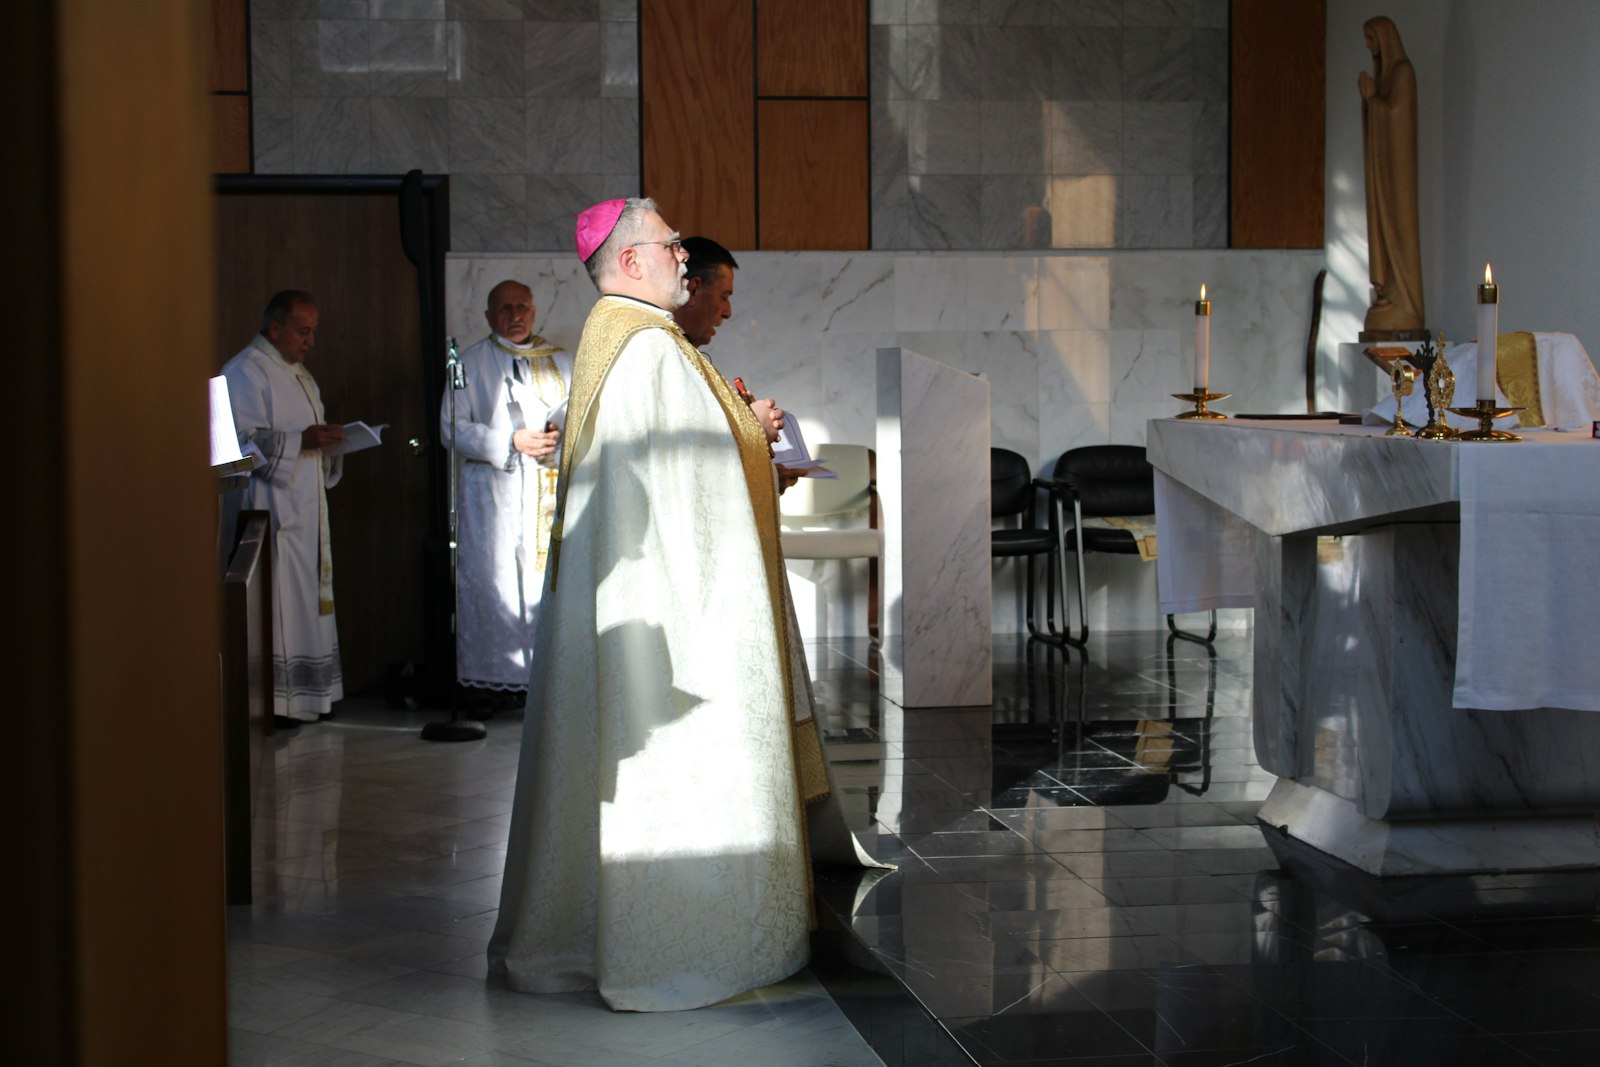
(277, 410)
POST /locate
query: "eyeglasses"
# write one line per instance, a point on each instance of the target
(673, 246)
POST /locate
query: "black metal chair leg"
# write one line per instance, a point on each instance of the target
(1172, 628)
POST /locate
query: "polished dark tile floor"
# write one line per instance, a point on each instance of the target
(1082, 881)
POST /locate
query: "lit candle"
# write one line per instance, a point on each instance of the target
(1488, 334)
(1202, 343)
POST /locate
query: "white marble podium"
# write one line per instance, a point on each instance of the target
(933, 490)
(1356, 643)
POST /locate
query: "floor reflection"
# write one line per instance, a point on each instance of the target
(1082, 881)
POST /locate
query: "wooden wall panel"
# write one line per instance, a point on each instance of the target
(814, 180)
(1277, 123)
(230, 134)
(696, 70)
(230, 47)
(811, 47)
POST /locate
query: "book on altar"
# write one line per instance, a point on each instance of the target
(790, 451)
(357, 437)
(225, 455)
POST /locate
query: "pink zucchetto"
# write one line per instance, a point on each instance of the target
(595, 225)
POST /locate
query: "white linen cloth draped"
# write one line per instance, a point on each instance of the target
(656, 851)
(273, 402)
(504, 506)
(1569, 387)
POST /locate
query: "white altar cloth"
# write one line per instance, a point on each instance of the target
(1529, 576)
(1569, 387)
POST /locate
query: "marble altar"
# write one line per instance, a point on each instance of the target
(1357, 552)
(933, 493)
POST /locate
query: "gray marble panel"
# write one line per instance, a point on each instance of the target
(943, 211)
(1074, 369)
(1155, 211)
(1018, 62)
(1085, 138)
(1211, 211)
(561, 10)
(619, 135)
(1211, 139)
(944, 136)
(891, 125)
(283, 9)
(485, 60)
(500, 10)
(943, 63)
(619, 10)
(1010, 360)
(1129, 421)
(891, 212)
(1157, 64)
(407, 58)
(1086, 63)
(332, 135)
(930, 294)
(1211, 13)
(562, 59)
(342, 9)
(272, 134)
(1148, 366)
(946, 12)
(488, 137)
(1002, 293)
(1064, 426)
(555, 200)
(330, 58)
(406, 9)
(1088, 13)
(1149, 289)
(1020, 12)
(619, 60)
(564, 137)
(1074, 293)
(1013, 212)
(1083, 211)
(1158, 12)
(487, 212)
(849, 379)
(410, 132)
(886, 63)
(1015, 136)
(857, 295)
(271, 57)
(886, 12)
(1211, 65)
(1158, 138)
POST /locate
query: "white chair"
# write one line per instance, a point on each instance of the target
(812, 509)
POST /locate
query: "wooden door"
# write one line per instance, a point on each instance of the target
(345, 249)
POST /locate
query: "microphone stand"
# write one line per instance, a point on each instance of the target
(456, 728)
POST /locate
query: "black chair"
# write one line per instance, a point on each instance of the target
(1014, 494)
(1105, 481)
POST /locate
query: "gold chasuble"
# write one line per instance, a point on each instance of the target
(658, 849)
(1517, 367)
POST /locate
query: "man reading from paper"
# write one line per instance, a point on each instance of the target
(516, 382)
(277, 408)
(657, 848)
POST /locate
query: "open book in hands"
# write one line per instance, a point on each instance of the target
(357, 436)
(790, 451)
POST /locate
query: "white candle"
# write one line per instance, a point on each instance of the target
(1202, 343)
(1488, 334)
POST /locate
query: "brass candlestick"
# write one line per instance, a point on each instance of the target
(1485, 411)
(1439, 386)
(1200, 399)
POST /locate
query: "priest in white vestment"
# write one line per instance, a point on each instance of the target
(658, 848)
(277, 409)
(506, 426)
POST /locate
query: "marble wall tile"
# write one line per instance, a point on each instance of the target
(886, 63)
(1158, 138)
(330, 58)
(619, 60)
(886, 12)
(555, 200)
(1020, 12)
(891, 212)
(1129, 423)
(272, 134)
(778, 293)
(283, 9)
(944, 12)
(1074, 293)
(890, 123)
(1155, 211)
(849, 380)
(563, 59)
(332, 135)
(1064, 426)
(1017, 62)
(1015, 136)
(620, 152)
(1211, 65)
(943, 63)
(561, 10)
(1158, 12)
(942, 211)
(1086, 63)
(1088, 13)
(1211, 211)
(488, 136)
(407, 58)
(487, 212)
(1083, 211)
(1157, 64)
(857, 294)
(1074, 369)
(342, 9)
(1211, 139)
(930, 294)
(619, 10)
(1147, 365)
(1014, 212)
(1149, 288)
(271, 57)
(560, 136)
(485, 60)
(1002, 293)
(1085, 137)
(500, 10)
(1211, 13)
(1010, 360)
(410, 132)
(943, 136)
(406, 9)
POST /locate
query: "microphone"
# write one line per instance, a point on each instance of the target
(457, 373)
